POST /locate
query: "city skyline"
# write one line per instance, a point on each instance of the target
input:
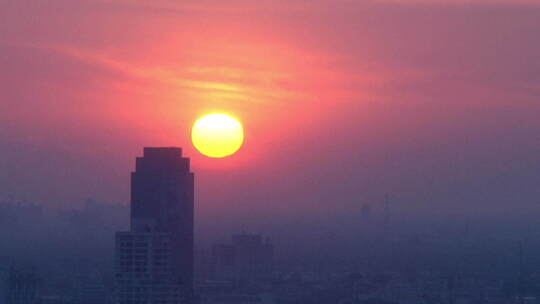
(269, 152)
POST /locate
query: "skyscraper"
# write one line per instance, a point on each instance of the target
(154, 260)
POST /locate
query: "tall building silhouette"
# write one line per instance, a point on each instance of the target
(154, 260)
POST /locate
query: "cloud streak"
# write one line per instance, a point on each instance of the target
(347, 98)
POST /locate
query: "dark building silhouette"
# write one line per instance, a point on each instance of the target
(162, 199)
(22, 286)
(154, 261)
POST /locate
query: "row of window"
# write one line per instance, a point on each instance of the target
(129, 256)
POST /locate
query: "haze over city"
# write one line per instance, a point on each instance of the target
(350, 125)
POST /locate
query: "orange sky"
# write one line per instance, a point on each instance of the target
(341, 100)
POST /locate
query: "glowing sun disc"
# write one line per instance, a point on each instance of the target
(217, 135)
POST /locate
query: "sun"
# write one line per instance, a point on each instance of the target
(217, 135)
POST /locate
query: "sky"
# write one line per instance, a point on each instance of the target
(433, 102)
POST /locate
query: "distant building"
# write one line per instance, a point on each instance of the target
(19, 213)
(91, 289)
(21, 287)
(154, 261)
(247, 257)
(365, 212)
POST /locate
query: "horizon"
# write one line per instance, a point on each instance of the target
(368, 152)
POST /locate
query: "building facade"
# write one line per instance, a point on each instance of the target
(21, 287)
(154, 260)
